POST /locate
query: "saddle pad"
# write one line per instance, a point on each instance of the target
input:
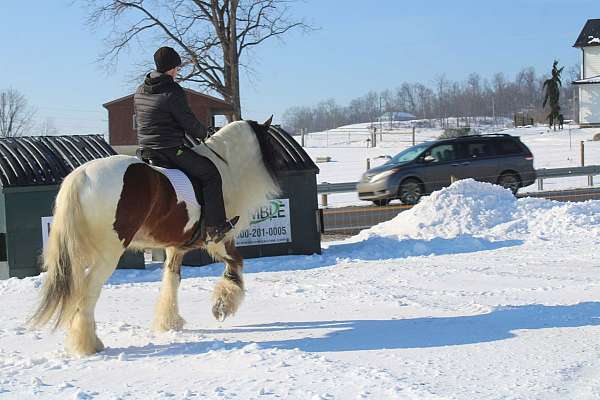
(181, 183)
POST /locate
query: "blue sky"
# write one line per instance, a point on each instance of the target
(49, 54)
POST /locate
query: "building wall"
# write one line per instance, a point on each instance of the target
(120, 117)
(120, 123)
(591, 61)
(589, 104)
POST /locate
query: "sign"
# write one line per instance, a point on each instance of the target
(270, 224)
(46, 222)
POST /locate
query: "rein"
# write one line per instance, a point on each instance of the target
(215, 153)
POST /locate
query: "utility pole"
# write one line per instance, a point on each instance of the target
(380, 121)
(493, 112)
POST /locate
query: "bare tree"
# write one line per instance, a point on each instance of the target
(441, 85)
(213, 36)
(469, 101)
(47, 127)
(16, 117)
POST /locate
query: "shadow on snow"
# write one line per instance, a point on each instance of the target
(412, 333)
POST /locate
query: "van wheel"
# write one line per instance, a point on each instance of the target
(381, 202)
(410, 191)
(510, 181)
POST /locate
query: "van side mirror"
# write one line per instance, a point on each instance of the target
(429, 159)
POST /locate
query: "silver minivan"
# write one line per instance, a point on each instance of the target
(430, 166)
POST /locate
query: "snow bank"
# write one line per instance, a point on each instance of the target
(471, 209)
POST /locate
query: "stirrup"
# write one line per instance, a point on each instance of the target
(215, 234)
(199, 233)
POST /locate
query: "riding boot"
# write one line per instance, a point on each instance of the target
(216, 233)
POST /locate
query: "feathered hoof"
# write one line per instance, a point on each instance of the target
(99, 345)
(82, 347)
(172, 323)
(219, 311)
(227, 299)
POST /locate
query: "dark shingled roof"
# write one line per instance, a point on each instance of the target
(590, 34)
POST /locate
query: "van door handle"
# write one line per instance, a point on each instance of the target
(466, 163)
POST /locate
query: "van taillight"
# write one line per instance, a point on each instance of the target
(529, 158)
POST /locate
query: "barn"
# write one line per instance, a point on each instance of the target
(589, 82)
(121, 117)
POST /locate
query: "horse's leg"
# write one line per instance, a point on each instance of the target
(167, 314)
(229, 291)
(81, 336)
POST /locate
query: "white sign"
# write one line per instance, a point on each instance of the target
(46, 222)
(270, 224)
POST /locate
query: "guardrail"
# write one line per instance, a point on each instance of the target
(588, 170)
(326, 188)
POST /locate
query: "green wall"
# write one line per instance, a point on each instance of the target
(21, 212)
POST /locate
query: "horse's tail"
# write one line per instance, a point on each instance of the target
(66, 256)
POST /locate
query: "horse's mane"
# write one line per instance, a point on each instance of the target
(270, 157)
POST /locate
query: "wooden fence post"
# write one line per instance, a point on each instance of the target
(368, 164)
(582, 148)
(413, 136)
(324, 199)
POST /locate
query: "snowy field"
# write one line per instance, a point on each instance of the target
(347, 148)
(470, 295)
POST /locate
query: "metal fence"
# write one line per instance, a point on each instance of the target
(358, 137)
(590, 171)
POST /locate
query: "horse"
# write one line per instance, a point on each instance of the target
(111, 204)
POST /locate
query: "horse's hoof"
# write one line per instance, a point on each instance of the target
(175, 323)
(99, 345)
(82, 350)
(218, 310)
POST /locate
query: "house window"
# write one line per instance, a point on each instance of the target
(134, 123)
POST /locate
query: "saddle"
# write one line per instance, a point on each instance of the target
(154, 158)
(180, 182)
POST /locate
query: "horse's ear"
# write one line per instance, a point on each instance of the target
(267, 123)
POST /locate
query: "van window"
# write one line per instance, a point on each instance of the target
(479, 149)
(442, 153)
(506, 147)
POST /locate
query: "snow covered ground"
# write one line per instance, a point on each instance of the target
(347, 148)
(472, 294)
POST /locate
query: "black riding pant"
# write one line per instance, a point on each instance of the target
(205, 178)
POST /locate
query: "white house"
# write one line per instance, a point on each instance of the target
(589, 83)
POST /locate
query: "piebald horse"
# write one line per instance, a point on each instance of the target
(108, 205)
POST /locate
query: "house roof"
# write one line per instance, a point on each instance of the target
(590, 34)
(586, 81)
(221, 102)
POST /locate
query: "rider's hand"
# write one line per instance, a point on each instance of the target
(211, 130)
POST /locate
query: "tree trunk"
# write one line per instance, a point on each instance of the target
(232, 62)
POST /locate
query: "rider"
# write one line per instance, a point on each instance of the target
(163, 116)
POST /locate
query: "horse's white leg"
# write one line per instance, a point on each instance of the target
(81, 336)
(167, 313)
(229, 291)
